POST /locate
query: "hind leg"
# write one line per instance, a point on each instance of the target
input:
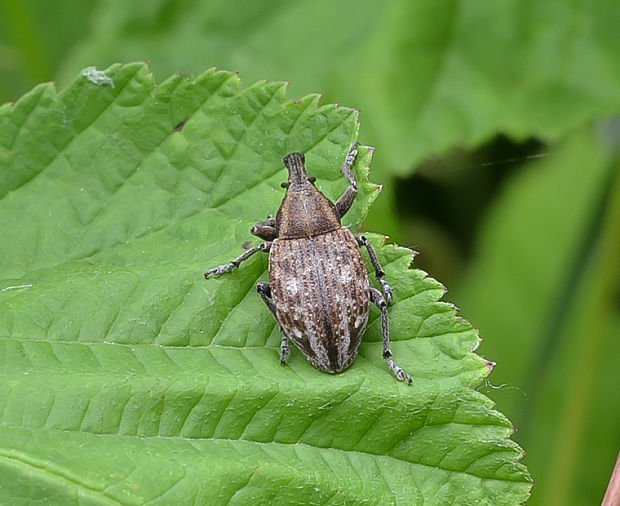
(387, 289)
(377, 298)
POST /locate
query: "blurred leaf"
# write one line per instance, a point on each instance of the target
(35, 36)
(426, 74)
(542, 290)
(589, 352)
(126, 377)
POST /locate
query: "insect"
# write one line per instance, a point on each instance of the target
(318, 288)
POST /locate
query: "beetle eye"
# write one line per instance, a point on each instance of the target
(312, 179)
(284, 185)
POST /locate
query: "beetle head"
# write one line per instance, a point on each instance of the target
(305, 211)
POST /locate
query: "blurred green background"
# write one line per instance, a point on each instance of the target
(496, 132)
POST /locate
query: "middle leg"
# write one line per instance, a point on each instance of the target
(264, 291)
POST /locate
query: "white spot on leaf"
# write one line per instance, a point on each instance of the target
(97, 77)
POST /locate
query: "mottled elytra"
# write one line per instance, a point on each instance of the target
(318, 288)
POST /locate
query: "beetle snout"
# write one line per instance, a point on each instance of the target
(294, 162)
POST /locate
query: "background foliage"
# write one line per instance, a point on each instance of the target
(496, 163)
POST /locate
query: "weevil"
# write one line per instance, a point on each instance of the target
(318, 288)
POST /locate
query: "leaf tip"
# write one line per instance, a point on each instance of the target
(490, 364)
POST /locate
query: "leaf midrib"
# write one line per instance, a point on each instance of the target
(347, 452)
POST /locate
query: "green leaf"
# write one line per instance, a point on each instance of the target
(126, 377)
(427, 74)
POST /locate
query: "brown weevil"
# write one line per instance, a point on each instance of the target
(318, 288)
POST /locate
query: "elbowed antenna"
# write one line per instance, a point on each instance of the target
(294, 162)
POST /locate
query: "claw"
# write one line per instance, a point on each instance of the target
(398, 372)
(218, 271)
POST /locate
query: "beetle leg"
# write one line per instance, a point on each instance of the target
(265, 292)
(218, 271)
(265, 229)
(387, 289)
(379, 301)
(346, 200)
(284, 349)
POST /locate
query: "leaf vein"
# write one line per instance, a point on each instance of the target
(48, 470)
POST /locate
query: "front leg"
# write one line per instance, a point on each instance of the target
(218, 271)
(387, 289)
(346, 200)
(266, 230)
